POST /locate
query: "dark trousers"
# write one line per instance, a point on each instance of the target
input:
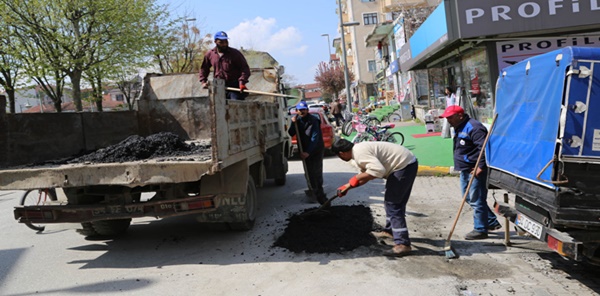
(397, 192)
(234, 95)
(339, 119)
(314, 167)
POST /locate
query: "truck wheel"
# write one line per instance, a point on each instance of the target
(87, 229)
(111, 227)
(251, 205)
(280, 181)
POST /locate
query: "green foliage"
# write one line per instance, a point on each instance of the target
(81, 38)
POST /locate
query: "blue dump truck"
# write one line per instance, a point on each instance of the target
(545, 149)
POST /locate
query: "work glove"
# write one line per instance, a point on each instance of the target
(352, 183)
(242, 87)
(342, 190)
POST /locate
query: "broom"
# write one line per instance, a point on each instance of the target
(448, 249)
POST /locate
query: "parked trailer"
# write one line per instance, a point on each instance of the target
(545, 149)
(247, 141)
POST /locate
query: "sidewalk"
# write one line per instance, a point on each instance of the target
(433, 152)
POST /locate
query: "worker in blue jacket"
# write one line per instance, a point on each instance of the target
(468, 139)
(313, 148)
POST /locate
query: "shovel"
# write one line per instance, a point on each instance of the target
(306, 176)
(323, 206)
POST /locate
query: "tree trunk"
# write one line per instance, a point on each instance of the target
(98, 94)
(11, 100)
(57, 106)
(76, 82)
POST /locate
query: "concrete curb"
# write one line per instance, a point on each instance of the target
(425, 170)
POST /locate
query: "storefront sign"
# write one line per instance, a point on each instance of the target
(394, 67)
(481, 18)
(511, 52)
(399, 36)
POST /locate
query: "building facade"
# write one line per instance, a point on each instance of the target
(465, 44)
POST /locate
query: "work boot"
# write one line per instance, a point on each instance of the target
(397, 251)
(322, 199)
(494, 227)
(381, 234)
(474, 235)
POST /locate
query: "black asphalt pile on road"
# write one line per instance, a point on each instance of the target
(139, 148)
(340, 228)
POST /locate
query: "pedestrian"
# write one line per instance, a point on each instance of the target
(450, 101)
(313, 149)
(336, 111)
(468, 140)
(229, 64)
(399, 167)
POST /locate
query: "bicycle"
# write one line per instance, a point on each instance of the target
(351, 126)
(378, 133)
(29, 198)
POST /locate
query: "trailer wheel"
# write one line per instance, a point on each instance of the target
(280, 181)
(111, 227)
(251, 207)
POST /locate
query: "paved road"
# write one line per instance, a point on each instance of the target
(176, 257)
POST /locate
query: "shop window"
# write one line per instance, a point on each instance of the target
(477, 85)
(370, 18)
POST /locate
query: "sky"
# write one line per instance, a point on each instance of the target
(290, 31)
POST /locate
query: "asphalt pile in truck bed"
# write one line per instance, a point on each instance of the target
(140, 148)
(335, 229)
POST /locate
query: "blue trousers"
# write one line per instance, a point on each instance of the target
(397, 191)
(483, 217)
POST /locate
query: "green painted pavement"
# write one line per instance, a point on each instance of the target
(432, 151)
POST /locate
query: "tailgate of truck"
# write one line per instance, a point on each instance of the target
(131, 174)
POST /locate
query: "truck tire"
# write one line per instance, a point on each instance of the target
(280, 181)
(87, 229)
(251, 207)
(111, 228)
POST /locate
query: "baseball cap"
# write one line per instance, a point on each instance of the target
(301, 105)
(454, 109)
(221, 35)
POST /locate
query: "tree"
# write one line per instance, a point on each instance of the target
(131, 87)
(10, 66)
(330, 78)
(74, 36)
(182, 48)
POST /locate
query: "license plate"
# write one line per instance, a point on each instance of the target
(527, 224)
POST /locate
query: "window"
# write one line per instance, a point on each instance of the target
(119, 98)
(371, 66)
(370, 18)
(367, 0)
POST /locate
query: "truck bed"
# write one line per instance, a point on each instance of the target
(236, 130)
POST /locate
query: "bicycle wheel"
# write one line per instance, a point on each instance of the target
(395, 137)
(394, 117)
(36, 198)
(347, 128)
(364, 137)
(373, 122)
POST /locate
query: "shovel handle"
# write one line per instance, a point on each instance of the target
(261, 93)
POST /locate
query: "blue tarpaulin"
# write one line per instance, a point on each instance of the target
(529, 97)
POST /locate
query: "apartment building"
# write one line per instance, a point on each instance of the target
(369, 53)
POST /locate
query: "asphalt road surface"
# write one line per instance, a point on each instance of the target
(177, 257)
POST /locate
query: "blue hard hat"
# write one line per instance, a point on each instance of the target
(221, 35)
(301, 105)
